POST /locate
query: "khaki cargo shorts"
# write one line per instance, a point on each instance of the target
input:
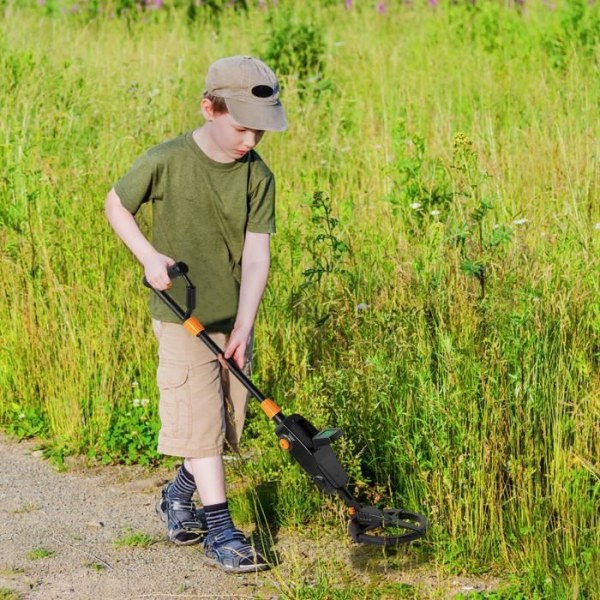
(201, 406)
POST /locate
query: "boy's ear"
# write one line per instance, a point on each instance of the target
(206, 107)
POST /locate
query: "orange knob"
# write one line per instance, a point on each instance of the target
(284, 443)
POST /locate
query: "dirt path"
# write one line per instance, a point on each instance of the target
(58, 534)
(78, 517)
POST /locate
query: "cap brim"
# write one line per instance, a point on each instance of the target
(264, 117)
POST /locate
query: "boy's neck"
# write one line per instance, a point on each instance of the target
(206, 143)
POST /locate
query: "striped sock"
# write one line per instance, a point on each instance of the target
(183, 486)
(218, 518)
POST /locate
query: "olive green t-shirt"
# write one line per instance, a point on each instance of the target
(201, 210)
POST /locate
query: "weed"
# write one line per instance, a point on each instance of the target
(295, 50)
(132, 435)
(12, 571)
(134, 539)
(26, 508)
(39, 553)
(328, 254)
(7, 594)
(96, 566)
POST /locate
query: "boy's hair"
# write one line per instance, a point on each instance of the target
(218, 103)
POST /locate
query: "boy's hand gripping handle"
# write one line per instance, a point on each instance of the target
(179, 269)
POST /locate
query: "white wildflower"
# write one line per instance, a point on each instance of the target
(378, 146)
(135, 384)
(415, 205)
(145, 401)
(136, 402)
(22, 417)
(597, 226)
(345, 149)
(362, 306)
(520, 221)
(434, 213)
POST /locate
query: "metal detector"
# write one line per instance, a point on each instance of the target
(310, 447)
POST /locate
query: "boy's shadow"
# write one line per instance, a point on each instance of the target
(264, 536)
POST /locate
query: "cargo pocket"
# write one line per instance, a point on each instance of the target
(175, 399)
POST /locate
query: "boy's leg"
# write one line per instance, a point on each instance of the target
(200, 408)
(224, 544)
(191, 411)
(209, 475)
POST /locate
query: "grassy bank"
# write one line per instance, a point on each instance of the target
(435, 279)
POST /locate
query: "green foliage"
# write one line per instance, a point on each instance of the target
(131, 435)
(295, 49)
(213, 10)
(328, 255)
(26, 421)
(576, 35)
(453, 278)
(479, 246)
(134, 539)
(39, 553)
(7, 594)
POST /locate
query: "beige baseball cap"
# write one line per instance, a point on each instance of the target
(250, 90)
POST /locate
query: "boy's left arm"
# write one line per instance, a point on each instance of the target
(256, 259)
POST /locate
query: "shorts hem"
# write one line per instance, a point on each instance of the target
(188, 451)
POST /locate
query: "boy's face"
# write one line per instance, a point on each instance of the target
(232, 140)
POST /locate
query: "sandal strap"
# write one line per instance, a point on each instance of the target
(182, 505)
(229, 535)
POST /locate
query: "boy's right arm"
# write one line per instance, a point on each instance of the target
(122, 221)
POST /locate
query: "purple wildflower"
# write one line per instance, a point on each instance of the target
(348, 4)
(381, 8)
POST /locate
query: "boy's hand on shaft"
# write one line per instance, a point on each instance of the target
(237, 345)
(155, 270)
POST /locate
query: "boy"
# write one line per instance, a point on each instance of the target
(213, 208)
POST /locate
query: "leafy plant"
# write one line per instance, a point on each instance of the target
(577, 33)
(26, 421)
(478, 246)
(132, 435)
(328, 254)
(39, 553)
(134, 539)
(420, 187)
(296, 49)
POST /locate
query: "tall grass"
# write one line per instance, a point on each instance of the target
(435, 278)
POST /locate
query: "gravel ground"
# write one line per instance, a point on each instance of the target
(58, 534)
(78, 516)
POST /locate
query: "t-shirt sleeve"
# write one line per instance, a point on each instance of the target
(140, 184)
(261, 217)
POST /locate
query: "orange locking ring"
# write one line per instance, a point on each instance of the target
(284, 444)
